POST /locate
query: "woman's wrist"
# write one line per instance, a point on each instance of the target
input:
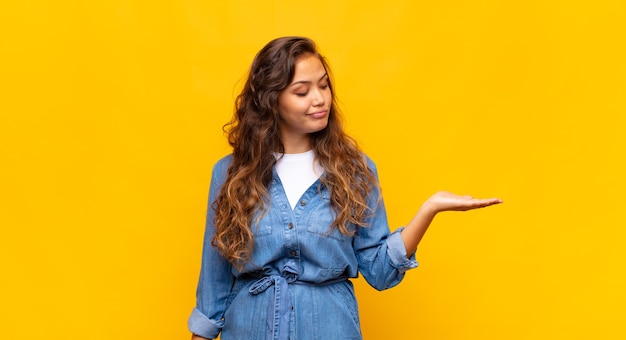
(197, 337)
(428, 210)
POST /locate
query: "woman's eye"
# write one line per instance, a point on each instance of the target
(324, 86)
(301, 94)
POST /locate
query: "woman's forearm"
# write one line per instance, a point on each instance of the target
(413, 232)
(197, 337)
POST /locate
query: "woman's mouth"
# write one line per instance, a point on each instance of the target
(319, 114)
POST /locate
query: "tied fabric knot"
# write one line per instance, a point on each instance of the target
(278, 326)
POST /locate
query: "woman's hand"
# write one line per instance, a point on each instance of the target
(440, 201)
(446, 201)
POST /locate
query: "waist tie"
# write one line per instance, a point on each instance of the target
(279, 327)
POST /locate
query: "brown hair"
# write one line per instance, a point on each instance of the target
(254, 135)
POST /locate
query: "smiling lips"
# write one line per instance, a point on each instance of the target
(318, 114)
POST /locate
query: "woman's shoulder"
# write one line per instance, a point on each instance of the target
(369, 161)
(221, 166)
(227, 159)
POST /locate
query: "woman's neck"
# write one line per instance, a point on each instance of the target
(297, 145)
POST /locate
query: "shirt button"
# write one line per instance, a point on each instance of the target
(290, 225)
(303, 203)
(293, 253)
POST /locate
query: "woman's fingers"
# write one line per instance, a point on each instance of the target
(448, 201)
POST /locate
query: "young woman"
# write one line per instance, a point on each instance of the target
(295, 212)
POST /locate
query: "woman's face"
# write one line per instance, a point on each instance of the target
(304, 105)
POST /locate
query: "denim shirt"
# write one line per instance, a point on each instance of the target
(299, 269)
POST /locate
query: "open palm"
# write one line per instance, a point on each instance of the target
(447, 201)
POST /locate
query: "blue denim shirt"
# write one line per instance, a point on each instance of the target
(296, 285)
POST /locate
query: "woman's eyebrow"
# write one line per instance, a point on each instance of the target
(308, 81)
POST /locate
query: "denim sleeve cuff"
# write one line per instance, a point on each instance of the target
(201, 325)
(397, 253)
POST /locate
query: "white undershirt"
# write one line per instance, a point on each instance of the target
(297, 172)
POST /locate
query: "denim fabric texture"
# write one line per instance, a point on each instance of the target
(296, 285)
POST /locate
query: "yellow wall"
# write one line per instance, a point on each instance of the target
(111, 116)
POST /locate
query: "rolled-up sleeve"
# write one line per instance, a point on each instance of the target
(201, 325)
(216, 277)
(397, 252)
(382, 256)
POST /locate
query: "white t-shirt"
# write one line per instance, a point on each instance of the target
(297, 172)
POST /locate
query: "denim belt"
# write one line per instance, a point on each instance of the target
(278, 325)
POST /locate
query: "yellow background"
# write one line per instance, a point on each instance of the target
(111, 115)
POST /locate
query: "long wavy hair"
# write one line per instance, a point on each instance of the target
(254, 136)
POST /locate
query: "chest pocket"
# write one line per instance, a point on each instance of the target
(261, 230)
(264, 227)
(322, 219)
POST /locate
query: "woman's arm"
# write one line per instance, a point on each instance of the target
(441, 201)
(216, 278)
(197, 337)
